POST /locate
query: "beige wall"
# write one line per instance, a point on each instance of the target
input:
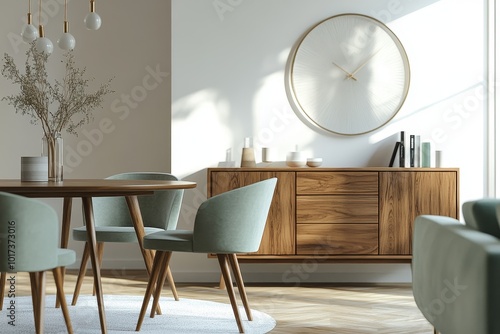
(133, 47)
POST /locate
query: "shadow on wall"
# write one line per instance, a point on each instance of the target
(193, 198)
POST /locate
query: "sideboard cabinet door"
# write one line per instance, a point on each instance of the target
(279, 234)
(406, 195)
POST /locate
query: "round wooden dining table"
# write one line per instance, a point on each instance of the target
(86, 189)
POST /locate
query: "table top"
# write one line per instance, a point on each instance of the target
(90, 187)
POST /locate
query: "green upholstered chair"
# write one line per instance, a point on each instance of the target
(456, 275)
(229, 223)
(481, 215)
(29, 236)
(113, 222)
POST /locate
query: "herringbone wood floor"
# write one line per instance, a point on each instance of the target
(320, 308)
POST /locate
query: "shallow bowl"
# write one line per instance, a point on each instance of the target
(314, 162)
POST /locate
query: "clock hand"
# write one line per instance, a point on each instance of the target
(348, 75)
(366, 62)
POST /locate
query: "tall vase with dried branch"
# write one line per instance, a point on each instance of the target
(62, 105)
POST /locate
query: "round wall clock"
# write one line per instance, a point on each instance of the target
(349, 75)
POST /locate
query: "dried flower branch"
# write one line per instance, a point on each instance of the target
(37, 94)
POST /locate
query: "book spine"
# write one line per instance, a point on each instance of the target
(417, 152)
(402, 150)
(412, 150)
(394, 153)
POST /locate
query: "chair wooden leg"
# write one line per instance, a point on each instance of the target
(435, 331)
(81, 273)
(164, 268)
(153, 276)
(148, 255)
(34, 296)
(233, 260)
(222, 284)
(100, 252)
(158, 287)
(38, 294)
(3, 279)
(171, 282)
(223, 263)
(59, 280)
(41, 300)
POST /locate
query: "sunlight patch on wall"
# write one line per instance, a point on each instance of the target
(199, 133)
(276, 124)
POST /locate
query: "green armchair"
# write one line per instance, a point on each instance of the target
(456, 270)
(29, 232)
(229, 223)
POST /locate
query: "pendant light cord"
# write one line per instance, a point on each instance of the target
(66, 23)
(30, 17)
(65, 10)
(41, 34)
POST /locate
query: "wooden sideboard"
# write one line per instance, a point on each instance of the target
(344, 214)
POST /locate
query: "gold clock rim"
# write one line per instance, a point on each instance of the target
(290, 87)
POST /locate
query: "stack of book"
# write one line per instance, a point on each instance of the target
(400, 151)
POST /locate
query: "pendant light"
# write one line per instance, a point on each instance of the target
(66, 41)
(43, 44)
(29, 32)
(92, 20)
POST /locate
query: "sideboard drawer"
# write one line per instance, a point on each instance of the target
(335, 239)
(337, 209)
(337, 183)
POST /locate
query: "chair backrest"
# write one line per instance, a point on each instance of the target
(234, 221)
(29, 233)
(160, 210)
(482, 215)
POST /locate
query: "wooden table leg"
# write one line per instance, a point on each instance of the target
(135, 213)
(89, 224)
(148, 255)
(66, 221)
(65, 227)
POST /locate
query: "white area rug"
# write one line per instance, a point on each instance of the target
(183, 316)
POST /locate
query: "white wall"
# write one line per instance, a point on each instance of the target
(139, 110)
(228, 62)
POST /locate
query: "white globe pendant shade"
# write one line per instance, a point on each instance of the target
(43, 44)
(92, 21)
(66, 41)
(29, 33)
